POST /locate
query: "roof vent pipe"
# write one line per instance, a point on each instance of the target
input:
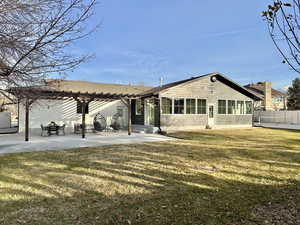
(161, 80)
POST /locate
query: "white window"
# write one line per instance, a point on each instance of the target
(190, 106)
(201, 105)
(179, 106)
(248, 107)
(138, 107)
(221, 106)
(166, 106)
(231, 107)
(240, 107)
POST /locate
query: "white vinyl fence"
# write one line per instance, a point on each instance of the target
(286, 117)
(5, 119)
(6, 125)
(277, 119)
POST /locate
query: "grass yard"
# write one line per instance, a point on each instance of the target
(230, 177)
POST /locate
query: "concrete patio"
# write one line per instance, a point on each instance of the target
(13, 143)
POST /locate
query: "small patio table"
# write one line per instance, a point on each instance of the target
(53, 128)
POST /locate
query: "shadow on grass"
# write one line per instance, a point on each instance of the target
(155, 183)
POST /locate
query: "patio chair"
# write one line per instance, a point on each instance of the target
(98, 126)
(116, 122)
(77, 128)
(61, 129)
(99, 122)
(44, 130)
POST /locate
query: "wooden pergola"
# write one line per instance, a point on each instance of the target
(31, 95)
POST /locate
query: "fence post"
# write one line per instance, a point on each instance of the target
(285, 120)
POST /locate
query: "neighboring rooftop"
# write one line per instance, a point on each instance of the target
(258, 88)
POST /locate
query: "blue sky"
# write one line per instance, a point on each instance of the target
(140, 41)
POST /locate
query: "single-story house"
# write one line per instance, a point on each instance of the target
(207, 101)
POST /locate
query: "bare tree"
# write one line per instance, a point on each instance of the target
(35, 36)
(283, 19)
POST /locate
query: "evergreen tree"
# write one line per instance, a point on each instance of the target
(294, 95)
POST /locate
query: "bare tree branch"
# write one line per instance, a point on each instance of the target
(283, 26)
(35, 36)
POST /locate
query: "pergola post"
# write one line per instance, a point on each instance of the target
(18, 115)
(83, 105)
(26, 119)
(159, 113)
(129, 117)
(127, 102)
(84, 102)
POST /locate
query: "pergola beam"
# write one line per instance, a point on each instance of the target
(27, 119)
(83, 97)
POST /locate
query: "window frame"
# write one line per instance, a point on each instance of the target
(190, 107)
(174, 107)
(243, 107)
(136, 107)
(162, 106)
(206, 105)
(251, 104)
(233, 110)
(223, 107)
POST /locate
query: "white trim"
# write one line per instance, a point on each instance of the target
(211, 120)
(173, 106)
(178, 98)
(196, 111)
(147, 109)
(161, 106)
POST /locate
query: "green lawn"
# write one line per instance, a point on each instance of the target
(231, 177)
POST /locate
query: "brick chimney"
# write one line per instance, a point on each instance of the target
(268, 104)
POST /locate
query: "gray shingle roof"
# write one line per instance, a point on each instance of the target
(92, 87)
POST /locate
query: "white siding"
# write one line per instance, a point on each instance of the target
(65, 112)
(204, 88)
